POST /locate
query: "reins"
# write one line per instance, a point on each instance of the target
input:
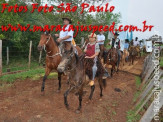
(59, 53)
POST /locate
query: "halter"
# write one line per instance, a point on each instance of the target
(59, 53)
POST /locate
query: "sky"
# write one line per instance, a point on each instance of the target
(134, 12)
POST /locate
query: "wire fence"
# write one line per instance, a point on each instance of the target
(14, 60)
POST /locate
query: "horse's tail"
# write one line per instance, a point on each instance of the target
(104, 83)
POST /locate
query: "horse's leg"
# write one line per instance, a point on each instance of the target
(112, 71)
(47, 72)
(65, 97)
(100, 84)
(59, 83)
(80, 100)
(92, 90)
(132, 60)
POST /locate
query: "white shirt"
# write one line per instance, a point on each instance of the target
(116, 42)
(62, 34)
(100, 38)
(136, 43)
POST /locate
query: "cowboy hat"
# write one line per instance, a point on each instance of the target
(116, 33)
(92, 35)
(67, 18)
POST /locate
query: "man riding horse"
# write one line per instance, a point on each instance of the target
(115, 43)
(66, 36)
(100, 41)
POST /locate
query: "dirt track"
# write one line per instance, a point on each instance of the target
(23, 101)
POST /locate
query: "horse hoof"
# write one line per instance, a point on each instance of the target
(77, 111)
(100, 99)
(67, 107)
(58, 91)
(42, 89)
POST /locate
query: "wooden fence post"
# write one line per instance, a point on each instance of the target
(30, 49)
(7, 56)
(40, 58)
(0, 57)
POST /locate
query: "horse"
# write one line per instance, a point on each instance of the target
(80, 70)
(85, 44)
(111, 58)
(124, 56)
(132, 54)
(53, 56)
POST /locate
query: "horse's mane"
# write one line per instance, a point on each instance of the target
(53, 37)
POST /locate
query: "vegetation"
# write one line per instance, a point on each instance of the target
(19, 41)
(161, 61)
(131, 117)
(34, 74)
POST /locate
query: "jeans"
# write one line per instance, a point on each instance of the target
(94, 68)
(119, 56)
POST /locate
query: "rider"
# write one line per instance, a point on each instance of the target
(66, 35)
(92, 51)
(126, 45)
(136, 42)
(115, 43)
(100, 41)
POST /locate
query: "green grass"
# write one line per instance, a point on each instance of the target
(22, 75)
(19, 64)
(131, 117)
(161, 62)
(34, 74)
(138, 81)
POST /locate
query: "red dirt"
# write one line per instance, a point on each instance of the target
(23, 101)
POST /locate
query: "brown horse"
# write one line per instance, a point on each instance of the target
(132, 54)
(111, 58)
(85, 44)
(80, 74)
(53, 56)
(124, 55)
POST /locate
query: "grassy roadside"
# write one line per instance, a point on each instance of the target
(131, 113)
(34, 74)
(161, 62)
(19, 64)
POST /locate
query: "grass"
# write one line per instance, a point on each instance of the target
(19, 64)
(131, 117)
(22, 75)
(161, 62)
(138, 81)
(34, 74)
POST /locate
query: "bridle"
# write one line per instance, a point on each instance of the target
(71, 56)
(59, 53)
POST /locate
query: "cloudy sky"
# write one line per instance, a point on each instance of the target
(134, 12)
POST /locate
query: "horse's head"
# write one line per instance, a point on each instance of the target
(44, 39)
(68, 59)
(112, 54)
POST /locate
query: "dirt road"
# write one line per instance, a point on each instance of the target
(23, 101)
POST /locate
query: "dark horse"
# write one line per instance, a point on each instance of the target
(111, 58)
(80, 70)
(133, 52)
(53, 56)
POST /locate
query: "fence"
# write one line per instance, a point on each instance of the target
(151, 83)
(12, 61)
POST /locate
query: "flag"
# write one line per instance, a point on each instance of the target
(131, 36)
(127, 36)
